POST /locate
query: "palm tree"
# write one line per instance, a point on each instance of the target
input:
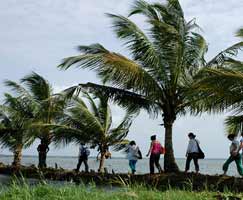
(92, 123)
(47, 106)
(164, 60)
(15, 120)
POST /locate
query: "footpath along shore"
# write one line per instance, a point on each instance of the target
(161, 181)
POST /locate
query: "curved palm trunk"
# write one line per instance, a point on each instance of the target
(17, 155)
(102, 162)
(169, 159)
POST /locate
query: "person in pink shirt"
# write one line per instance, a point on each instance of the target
(154, 152)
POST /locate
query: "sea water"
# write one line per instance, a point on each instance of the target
(120, 165)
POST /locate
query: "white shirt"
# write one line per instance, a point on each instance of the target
(234, 146)
(192, 146)
(241, 141)
(132, 152)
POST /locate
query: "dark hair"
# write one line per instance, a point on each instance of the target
(132, 142)
(191, 135)
(153, 137)
(231, 136)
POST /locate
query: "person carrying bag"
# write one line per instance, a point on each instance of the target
(194, 152)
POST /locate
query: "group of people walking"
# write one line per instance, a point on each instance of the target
(193, 152)
(155, 150)
(133, 155)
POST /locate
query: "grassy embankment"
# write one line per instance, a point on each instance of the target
(71, 192)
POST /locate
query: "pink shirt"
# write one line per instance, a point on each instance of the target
(156, 148)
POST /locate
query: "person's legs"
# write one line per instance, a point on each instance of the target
(132, 164)
(238, 161)
(227, 163)
(157, 157)
(151, 163)
(41, 160)
(135, 162)
(195, 160)
(40, 165)
(188, 161)
(44, 160)
(80, 160)
(86, 165)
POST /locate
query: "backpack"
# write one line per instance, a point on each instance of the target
(85, 152)
(162, 150)
(139, 154)
(201, 154)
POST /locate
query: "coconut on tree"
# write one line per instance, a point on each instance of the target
(92, 123)
(165, 57)
(47, 106)
(15, 121)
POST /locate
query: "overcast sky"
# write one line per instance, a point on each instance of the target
(36, 35)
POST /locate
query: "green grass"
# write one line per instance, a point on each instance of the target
(72, 192)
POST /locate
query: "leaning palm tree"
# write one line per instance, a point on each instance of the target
(164, 59)
(47, 106)
(15, 120)
(92, 123)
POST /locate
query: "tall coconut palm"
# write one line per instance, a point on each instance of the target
(92, 123)
(164, 59)
(47, 106)
(15, 120)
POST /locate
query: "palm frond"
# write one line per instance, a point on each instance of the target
(19, 89)
(239, 33)
(130, 101)
(225, 55)
(114, 68)
(137, 42)
(144, 8)
(234, 124)
(39, 87)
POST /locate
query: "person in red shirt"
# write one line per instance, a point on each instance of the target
(154, 152)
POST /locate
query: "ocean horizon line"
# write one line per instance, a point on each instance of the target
(116, 157)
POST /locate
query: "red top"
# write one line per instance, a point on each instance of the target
(156, 148)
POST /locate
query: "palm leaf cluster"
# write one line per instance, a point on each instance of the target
(92, 123)
(36, 112)
(220, 86)
(15, 121)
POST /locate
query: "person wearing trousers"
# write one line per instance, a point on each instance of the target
(234, 155)
(192, 152)
(83, 158)
(154, 152)
(133, 155)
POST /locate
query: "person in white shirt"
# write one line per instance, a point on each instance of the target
(133, 155)
(234, 155)
(241, 144)
(192, 152)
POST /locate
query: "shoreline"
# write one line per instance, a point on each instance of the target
(92, 157)
(163, 181)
